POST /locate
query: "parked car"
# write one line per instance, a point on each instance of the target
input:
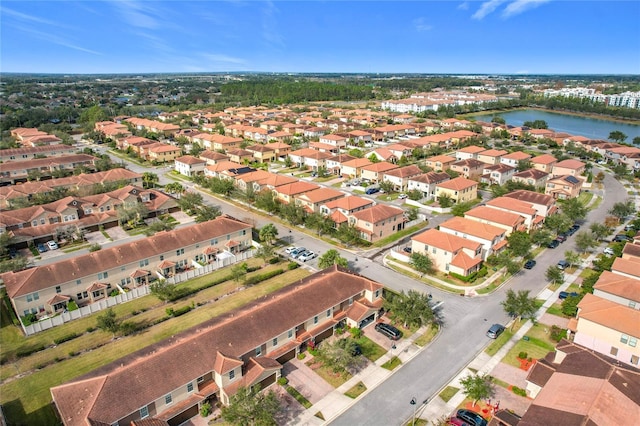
(529, 264)
(621, 238)
(454, 421)
(553, 244)
(291, 249)
(402, 196)
(41, 248)
(407, 250)
(562, 264)
(471, 417)
(307, 255)
(296, 255)
(629, 227)
(388, 330)
(495, 330)
(564, 294)
(562, 237)
(370, 191)
(52, 245)
(609, 251)
(573, 229)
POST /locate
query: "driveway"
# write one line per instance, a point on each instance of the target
(379, 338)
(305, 381)
(510, 374)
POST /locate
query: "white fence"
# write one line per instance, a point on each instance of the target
(133, 294)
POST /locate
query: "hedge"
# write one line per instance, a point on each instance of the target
(471, 277)
(263, 277)
(28, 351)
(65, 338)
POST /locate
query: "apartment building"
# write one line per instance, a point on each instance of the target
(170, 380)
(88, 278)
(18, 171)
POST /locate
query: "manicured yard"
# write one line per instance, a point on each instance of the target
(427, 337)
(556, 309)
(356, 391)
(392, 363)
(370, 349)
(28, 398)
(398, 235)
(298, 396)
(538, 345)
(334, 379)
(448, 393)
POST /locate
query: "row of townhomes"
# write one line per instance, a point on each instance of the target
(40, 223)
(46, 290)
(169, 381)
(461, 244)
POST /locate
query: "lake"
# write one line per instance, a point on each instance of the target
(575, 125)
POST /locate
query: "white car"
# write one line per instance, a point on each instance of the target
(609, 251)
(52, 245)
(402, 196)
(307, 256)
(291, 249)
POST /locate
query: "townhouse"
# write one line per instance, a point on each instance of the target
(31, 153)
(568, 167)
(448, 252)
(492, 238)
(334, 164)
(378, 222)
(515, 158)
(188, 165)
(19, 171)
(426, 183)
(507, 221)
(469, 168)
(469, 153)
(312, 200)
(220, 169)
(88, 278)
(170, 380)
(544, 162)
(164, 129)
(440, 163)
(524, 209)
(399, 177)
(356, 136)
(545, 205)
(286, 193)
(497, 174)
(40, 223)
(263, 181)
(216, 142)
(533, 177)
(491, 156)
(459, 190)
(40, 140)
(21, 133)
(563, 187)
(339, 210)
(353, 168)
(540, 133)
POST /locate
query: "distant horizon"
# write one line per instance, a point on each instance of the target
(493, 37)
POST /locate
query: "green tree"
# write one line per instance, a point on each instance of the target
(412, 214)
(554, 275)
(620, 171)
(264, 252)
(519, 305)
(585, 240)
(190, 202)
(265, 200)
(159, 226)
(636, 140)
(558, 223)
(572, 258)
(411, 309)
(321, 223)
(206, 213)
(348, 234)
(330, 258)
(570, 305)
(132, 214)
(623, 209)
(477, 387)
(163, 290)
(342, 355)
(239, 272)
(221, 186)
(536, 124)
(600, 231)
(292, 213)
(524, 165)
(250, 407)
(445, 201)
(174, 188)
(150, 180)
(541, 237)
(519, 243)
(108, 322)
(6, 240)
(373, 158)
(90, 116)
(617, 136)
(461, 208)
(387, 187)
(574, 209)
(268, 233)
(422, 263)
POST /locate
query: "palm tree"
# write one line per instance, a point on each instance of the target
(149, 179)
(268, 233)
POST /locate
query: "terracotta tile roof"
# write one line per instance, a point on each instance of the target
(531, 174)
(45, 276)
(348, 203)
(609, 314)
(469, 162)
(338, 217)
(357, 163)
(472, 149)
(619, 285)
(189, 159)
(58, 298)
(493, 153)
(471, 227)
(431, 178)
(444, 159)
(458, 184)
(224, 363)
(494, 215)
(334, 137)
(511, 204)
(9, 166)
(463, 261)
(341, 158)
(631, 250)
(296, 188)
(378, 213)
(531, 197)
(382, 166)
(321, 194)
(517, 155)
(445, 241)
(544, 159)
(405, 172)
(570, 164)
(629, 266)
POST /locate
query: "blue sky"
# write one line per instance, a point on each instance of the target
(493, 36)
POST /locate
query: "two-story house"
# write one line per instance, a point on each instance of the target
(440, 163)
(563, 187)
(459, 190)
(375, 172)
(339, 210)
(448, 252)
(188, 165)
(545, 205)
(534, 177)
(544, 162)
(469, 168)
(497, 174)
(505, 220)
(492, 238)
(426, 183)
(378, 222)
(312, 200)
(399, 177)
(568, 167)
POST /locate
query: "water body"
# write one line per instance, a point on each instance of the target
(573, 124)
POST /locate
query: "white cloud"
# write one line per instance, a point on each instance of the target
(463, 6)
(55, 39)
(270, 32)
(519, 6)
(486, 8)
(420, 25)
(137, 14)
(217, 57)
(30, 18)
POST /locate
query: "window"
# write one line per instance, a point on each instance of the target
(103, 275)
(315, 319)
(161, 258)
(433, 250)
(275, 341)
(328, 313)
(168, 399)
(290, 334)
(179, 252)
(634, 359)
(232, 374)
(633, 342)
(144, 263)
(78, 282)
(624, 338)
(79, 296)
(200, 379)
(613, 351)
(144, 412)
(259, 351)
(377, 293)
(632, 304)
(190, 387)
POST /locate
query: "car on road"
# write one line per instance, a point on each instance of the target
(291, 249)
(371, 191)
(41, 248)
(297, 252)
(495, 330)
(471, 417)
(562, 237)
(562, 264)
(553, 244)
(307, 255)
(629, 227)
(52, 245)
(609, 251)
(573, 229)
(388, 330)
(564, 294)
(621, 238)
(529, 264)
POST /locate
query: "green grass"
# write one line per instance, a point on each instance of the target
(448, 393)
(585, 198)
(356, 390)
(370, 349)
(392, 363)
(538, 345)
(398, 235)
(495, 346)
(556, 309)
(426, 280)
(28, 398)
(76, 248)
(298, 397)
(334, 379)
(427, 337)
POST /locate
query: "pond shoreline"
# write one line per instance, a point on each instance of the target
(555, 111)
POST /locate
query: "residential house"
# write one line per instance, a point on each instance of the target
(399, 177)
(469, 153)
(357, 136)
(621, 289)
(492, 238)
(262, 153)
(164, 129)
(449, 252)
(134, 144)
(339, 210)
(378, 222)
(312, 200)
(628, 266)
(563, 187)
(323, 147)
(13, 172)
(459, 190)
(383, 154)
(281, 149)
(161, 153)
(544, 162)
(533, 177)
(189, 165)
(540, 133)
(545, 205)
(246, 181)
(515, 158)
(491, 156)
(399, 150)
(33, 152)
(426, 183)
(271, 181)
(526, 210)
(218, 169)
(440, 163)
(353, 168)
(216, 142)
(286, 193)
(508, 221)
(337, 141)
(568, 167)
(244, 348)
(469, 168)
(310, 158)
(127, 265)
(213, 157)
(334, 164)
(375, 172)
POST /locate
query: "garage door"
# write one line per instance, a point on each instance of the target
(327, 333)
(184, 416)
(287, 357)
(368, 320)
(265, 383)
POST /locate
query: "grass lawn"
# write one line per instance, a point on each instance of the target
(298, 396)
(398, 235)
(448, 393)
(28, 398)
(392, 363)
(427, 337)
(585, 197)
(556, 309)
(356, 391)
(393, 265)
(334, 379)
(538, 345)
(370, 349)
(495, 346)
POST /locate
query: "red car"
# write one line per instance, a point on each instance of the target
(458, 422)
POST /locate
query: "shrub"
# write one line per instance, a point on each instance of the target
(522, 355)
(206, 409)
(29, 319)
(302, 356)
(292, 265)
(263, 277)
(22, 353)
(129, 327)
(65, 338)
(283, 381)
(114, 293)
(274, 260)
(72, 306)
(95, 247)
(72, 353)
(91, 329)
(181, 311)
(356, 332)
(519, 391)
(557, 333)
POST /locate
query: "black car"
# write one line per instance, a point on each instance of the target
(573, 229)
(621, 238)
(564, 294)
(407, 250)
(471, 417)
(529, 264)
(553, 244)
(388, 330)
(495, 330)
